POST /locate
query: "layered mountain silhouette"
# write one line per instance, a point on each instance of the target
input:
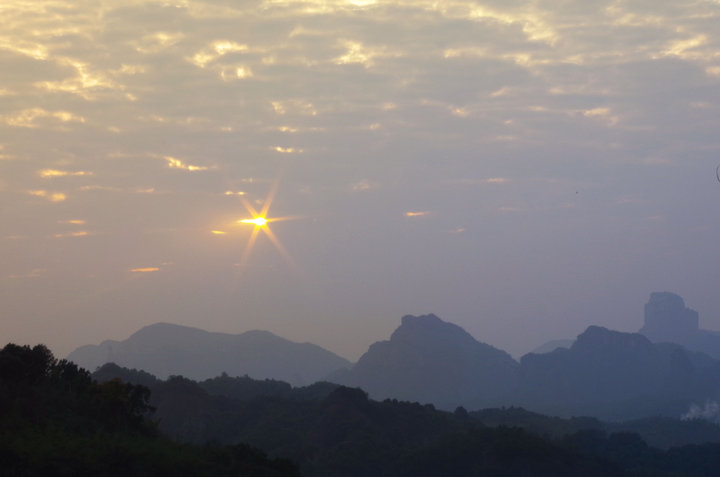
(604, 373)
(667, 319)
(616, 375)
(165, 349)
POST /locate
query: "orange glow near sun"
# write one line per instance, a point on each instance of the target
(261, 221)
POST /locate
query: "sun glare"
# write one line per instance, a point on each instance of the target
(261, 222)
(258, 221)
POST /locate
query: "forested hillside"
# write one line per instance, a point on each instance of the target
(331, 430)
(56, 420)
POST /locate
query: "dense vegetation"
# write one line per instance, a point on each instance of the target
(337, 431)
(55, 420)
(660, 432)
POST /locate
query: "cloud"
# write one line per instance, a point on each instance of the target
(287, 150)
(34, 273)
(218, 49)
(713, 70)
(49, 173)
(51, 196)
(85, 83)
(30, 118)
(157, 42)
(175, 163)
(294, 106)
(364, 185)
(93, 187)
(489, 180)
(356, 52)
(79, 233)
(3, 156)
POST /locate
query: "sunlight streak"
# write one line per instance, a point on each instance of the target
(261, 222)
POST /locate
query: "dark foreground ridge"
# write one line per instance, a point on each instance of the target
(55, 419)
(330, 430)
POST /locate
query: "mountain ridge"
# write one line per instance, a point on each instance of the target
(165, 349)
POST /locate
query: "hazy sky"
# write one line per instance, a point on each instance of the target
(520, 168)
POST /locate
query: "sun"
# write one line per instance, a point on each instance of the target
(261, 222)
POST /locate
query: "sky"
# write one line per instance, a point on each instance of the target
(523, 169)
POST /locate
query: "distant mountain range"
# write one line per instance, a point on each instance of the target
(603, 373)
(615, 376)
(165, 349)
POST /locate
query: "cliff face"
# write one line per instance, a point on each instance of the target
(668, 319)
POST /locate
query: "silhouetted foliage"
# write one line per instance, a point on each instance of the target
(245, 387)
(110, 371)
(331, 430)
(56, 420)
(660, 432)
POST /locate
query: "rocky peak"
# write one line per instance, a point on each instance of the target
(668, 319)
(429, 330)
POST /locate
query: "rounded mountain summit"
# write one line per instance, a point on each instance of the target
(165, 349)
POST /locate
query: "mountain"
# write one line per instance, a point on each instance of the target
(667, 319)
(604, 373)
(433, 361)
(165, 349)
(615, 375)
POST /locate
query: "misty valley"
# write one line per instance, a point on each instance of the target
(430, 401)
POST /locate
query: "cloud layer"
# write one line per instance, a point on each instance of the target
(512, 165)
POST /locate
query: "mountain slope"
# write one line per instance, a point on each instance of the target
(165, 349)
(615, 375)
(605, 373)
(430, 360)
